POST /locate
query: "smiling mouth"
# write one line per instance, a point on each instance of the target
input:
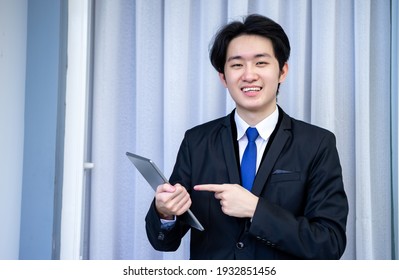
(251, 89)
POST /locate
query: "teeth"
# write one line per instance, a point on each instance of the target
(251, 89)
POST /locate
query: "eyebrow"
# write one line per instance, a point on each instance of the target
(255, 56)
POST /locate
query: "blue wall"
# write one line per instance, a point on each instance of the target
(40, 141)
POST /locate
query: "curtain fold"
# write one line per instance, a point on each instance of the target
(153, 80)
(394, 120)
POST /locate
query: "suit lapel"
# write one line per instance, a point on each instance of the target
(276, 146)
(229, 151)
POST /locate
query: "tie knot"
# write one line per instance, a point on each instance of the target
(252, 134)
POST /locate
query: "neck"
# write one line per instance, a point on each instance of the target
(254, 117)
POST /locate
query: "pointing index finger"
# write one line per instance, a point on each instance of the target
(209, 188)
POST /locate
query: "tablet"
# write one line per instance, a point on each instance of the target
(155, 177)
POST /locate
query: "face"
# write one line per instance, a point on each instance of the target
(252, 74)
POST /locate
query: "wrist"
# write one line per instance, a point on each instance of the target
(165, 216)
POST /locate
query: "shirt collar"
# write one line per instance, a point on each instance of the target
(265, 127)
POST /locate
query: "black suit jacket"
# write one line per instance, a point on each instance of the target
(302, 210)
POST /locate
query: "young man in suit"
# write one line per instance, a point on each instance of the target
(295, 207)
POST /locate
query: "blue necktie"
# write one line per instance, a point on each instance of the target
(248, 163)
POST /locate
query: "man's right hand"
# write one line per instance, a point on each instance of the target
(171, 201)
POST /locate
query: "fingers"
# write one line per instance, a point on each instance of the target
(221, 191)
(234, 200)
(218, 188)
(182, 206)
(210, 188)
(166, 188)
(172, 200)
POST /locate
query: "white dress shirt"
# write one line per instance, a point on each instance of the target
(265, 129)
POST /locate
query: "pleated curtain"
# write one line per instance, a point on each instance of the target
(152, 80)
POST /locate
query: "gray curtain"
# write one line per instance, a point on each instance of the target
(152, 80)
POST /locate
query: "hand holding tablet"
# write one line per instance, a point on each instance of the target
(154, 177)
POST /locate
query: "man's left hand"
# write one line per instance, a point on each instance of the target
(235, 200)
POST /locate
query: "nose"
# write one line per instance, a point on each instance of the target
(249, 74)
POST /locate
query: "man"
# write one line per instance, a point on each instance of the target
(295, 207)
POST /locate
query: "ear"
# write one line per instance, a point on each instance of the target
(283, 73)
(223, 79)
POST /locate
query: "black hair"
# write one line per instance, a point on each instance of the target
(253, 24)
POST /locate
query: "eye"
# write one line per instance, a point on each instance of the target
(236, 65)
(262, 63)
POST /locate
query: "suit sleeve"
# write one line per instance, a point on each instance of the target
(168, 239)
(318, 232)
(162, 239)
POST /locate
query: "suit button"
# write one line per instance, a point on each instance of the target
(240, 245)
(161, 236)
